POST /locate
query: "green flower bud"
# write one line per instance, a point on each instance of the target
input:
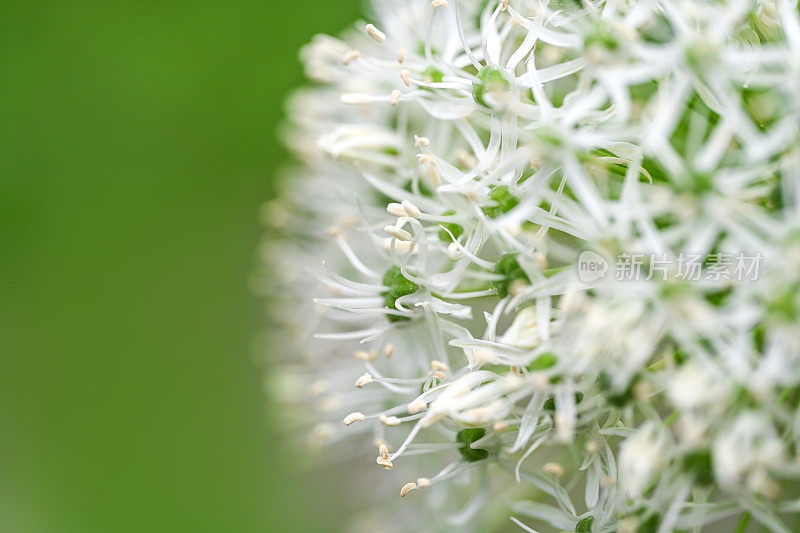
(467, 437)
(584, 525)
(602, 36)
(700, 463)
(543, 362)
(454, 228)
(434, 75)
(398, 286)
(489, 80)
(503, 200)
(509, 268)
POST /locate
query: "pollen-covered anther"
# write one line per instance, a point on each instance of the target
(394, 99)
(333, 231)
(386, 463)
(405, 76)
(453, 252)
(439, 3)
(383, 457)
(390, 421)
(411, 209)
(364, 355)
(554, 469)
(365, 379)
(406, 209)
(423, 482)
(383, 450)
(401, 55)
(398, 233)
(388, 350)
(408, 487)
(438, 365)
(353, 418)
(591, 447)
(503, 5)
(400, 246)
(500, 426)
(350, 56)
(416, 406)
(438, 375)
(396, 209)
(421, 141)
(377, 443)
(375, 33)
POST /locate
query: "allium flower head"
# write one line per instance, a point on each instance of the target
(541, 261)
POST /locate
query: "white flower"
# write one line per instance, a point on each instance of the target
(698, 387)
(747, 452)
(456, 160)
(524, 331)
(641, 456)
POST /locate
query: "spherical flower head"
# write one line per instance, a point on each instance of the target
(535, 252)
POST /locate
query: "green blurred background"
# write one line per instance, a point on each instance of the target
(138, 141)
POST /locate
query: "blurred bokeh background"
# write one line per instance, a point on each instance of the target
(138, 141)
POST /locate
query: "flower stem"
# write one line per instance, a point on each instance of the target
(743, 523)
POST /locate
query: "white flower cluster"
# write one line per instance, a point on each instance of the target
(458, 156)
